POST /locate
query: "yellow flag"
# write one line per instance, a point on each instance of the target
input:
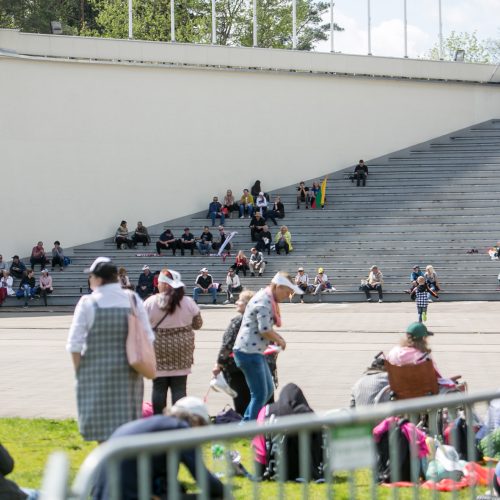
(323, 191)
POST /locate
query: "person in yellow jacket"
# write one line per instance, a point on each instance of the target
(283, 240)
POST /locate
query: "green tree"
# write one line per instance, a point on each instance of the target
(274, 21)
(34, 16)
(476, 51)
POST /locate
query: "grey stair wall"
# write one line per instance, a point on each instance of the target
(428, 204)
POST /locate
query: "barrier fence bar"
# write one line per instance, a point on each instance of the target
(214, 24)
(143, 447)
(294, 24)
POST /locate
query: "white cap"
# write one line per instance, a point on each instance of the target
(45, 271)
(279, 279)
(300, 269)
(203, 270)
(192, 405)
(99, 260)
(144, 267)
(174, 282)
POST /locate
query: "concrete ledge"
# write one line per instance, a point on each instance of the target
(14, 43)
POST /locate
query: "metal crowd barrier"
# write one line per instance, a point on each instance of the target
(348, 446)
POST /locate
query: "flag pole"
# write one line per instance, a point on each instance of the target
(130, 21)
(172, 20)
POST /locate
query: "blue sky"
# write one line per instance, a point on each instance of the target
(482, 16)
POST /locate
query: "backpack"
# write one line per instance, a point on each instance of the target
(289, 443)
(384, 459)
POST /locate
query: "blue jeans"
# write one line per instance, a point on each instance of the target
(28, 292)
(212, 291)
(203, 248)
(259, 381)
(214, 215)
(249, 210)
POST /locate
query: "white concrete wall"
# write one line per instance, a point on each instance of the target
(84, 145)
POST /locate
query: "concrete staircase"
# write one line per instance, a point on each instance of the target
(428, 204)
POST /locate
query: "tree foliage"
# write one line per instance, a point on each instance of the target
(476, 51)
(193, 20)
(34, 16)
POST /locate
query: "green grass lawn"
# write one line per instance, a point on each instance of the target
(30, 442)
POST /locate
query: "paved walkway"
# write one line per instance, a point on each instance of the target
(329, 345)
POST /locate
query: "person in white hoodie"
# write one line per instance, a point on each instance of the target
(233, 285)
(6, 283)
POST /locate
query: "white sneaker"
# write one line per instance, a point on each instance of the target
(227, 302)
(380, 301)
(242, 216)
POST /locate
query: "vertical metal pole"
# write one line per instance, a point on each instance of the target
(440, 32)
(369, 29)
(406, 29)
(294, 24)
(255, 23)
(332, 41)
(214, 25)
(130, 25)
(172, 20)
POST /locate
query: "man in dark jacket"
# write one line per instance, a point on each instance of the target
(187, 412)
(361, 173)
(166, 240)
(145, 287)
(17, 268)
(215, 210)
(8, 489)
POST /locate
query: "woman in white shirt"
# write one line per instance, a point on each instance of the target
(109, 391)
(6, 283)
(233, 285)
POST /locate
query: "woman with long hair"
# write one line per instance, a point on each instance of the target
(257, 331)
(173, 317)
(431, 279)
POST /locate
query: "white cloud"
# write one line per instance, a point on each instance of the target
(387, 38)
(482, 16)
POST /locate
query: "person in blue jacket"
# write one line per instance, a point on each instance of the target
(187, 412)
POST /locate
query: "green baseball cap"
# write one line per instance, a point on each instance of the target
(418, 330)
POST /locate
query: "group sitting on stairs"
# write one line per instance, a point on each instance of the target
(27, 288)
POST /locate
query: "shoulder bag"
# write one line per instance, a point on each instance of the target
(140, 351)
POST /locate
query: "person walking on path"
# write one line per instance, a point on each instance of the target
(261, 317)
(109, 391)
(173, 317)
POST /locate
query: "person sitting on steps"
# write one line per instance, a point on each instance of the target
(38, 256)
(186, 241)
(121, 237)
(256, 224)
(302, 281)
(17, 267)
(264, 240)
(283, 240)
(204, 242)
(217, 244)
(246, 204)
(141, 235)
(360, 173)
(215, 210)
(374, 281)
(241, 263)
(233, 285)
(276, 211)
(57, 256)
(302, 195)
(167, 240)
(261, 204)
(229, 204)
(145, 286)
(257, 262)
(204, 283)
